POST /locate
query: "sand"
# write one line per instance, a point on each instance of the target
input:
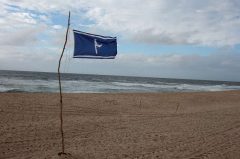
(118, 126)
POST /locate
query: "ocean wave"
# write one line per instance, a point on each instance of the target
(103, 84)
(147, 85)
(222, 87)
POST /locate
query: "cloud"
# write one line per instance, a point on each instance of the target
(21, 17)
(167, 22)
(57, 27)
(22, 37)
(19, 58)
(206, 22)
(222, 65)
(31, 40)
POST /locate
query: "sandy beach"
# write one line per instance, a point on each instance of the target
(118, 126)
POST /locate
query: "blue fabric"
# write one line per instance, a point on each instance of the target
(94, 46)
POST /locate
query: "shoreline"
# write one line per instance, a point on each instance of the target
(167, 92)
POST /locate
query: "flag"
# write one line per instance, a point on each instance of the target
(94, 46)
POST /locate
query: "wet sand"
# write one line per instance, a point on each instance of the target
(118, 126)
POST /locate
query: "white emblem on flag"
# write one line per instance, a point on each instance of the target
(97, 45)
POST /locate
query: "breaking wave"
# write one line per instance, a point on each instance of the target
(72, 83)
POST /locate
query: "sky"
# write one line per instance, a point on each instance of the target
(158, 38)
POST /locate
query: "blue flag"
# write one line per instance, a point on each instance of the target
(94, 46)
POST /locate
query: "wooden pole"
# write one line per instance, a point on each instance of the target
(60, 88)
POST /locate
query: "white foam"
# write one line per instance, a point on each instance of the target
(79, 86)
(135, 84)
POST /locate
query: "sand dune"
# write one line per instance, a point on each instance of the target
(117, 126)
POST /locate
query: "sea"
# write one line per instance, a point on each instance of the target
(24, 81)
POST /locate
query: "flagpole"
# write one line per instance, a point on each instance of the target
(60, 88)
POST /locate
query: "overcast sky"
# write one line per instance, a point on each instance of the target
(158, 38)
